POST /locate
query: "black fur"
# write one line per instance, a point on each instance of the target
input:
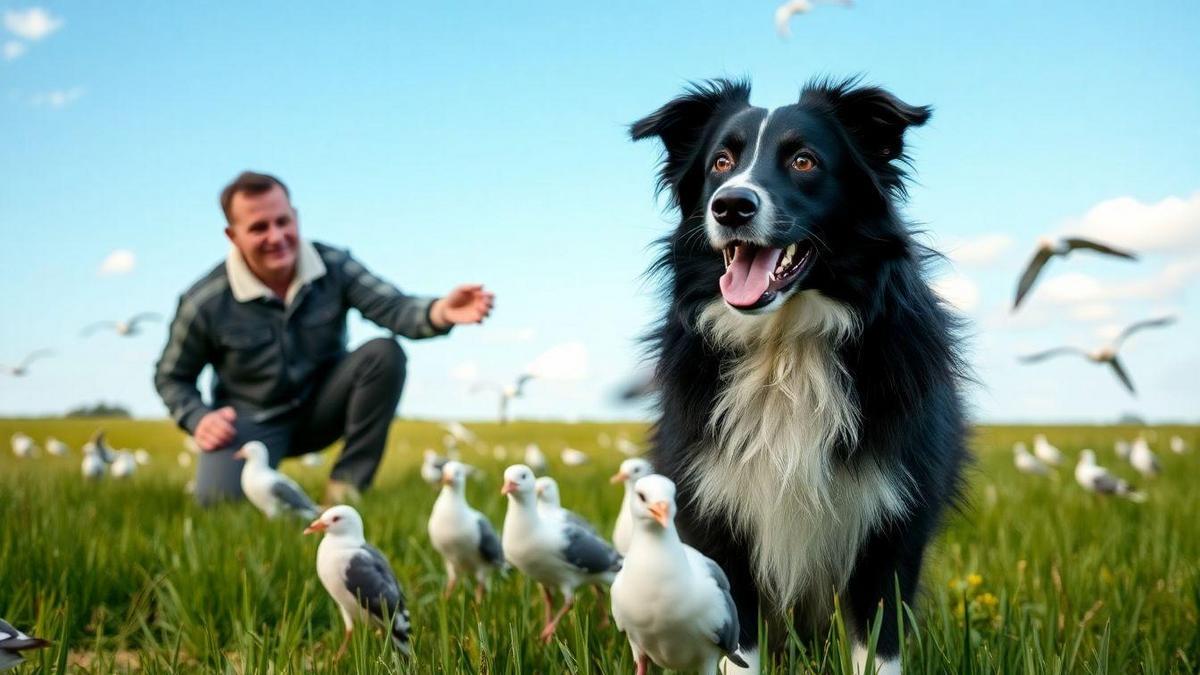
(904, 366)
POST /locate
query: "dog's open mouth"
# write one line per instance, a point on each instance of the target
(755, 274)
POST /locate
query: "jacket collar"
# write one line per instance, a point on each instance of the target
(247, 287)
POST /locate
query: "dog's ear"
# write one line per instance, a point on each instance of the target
(681, 125)
(876, 120)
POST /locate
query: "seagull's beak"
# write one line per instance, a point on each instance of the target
(445, 479)
(509, 488)
(620, 477)
(660, 510)
(240, 454)
(317, 525)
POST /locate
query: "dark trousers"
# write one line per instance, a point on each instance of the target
(356, 400)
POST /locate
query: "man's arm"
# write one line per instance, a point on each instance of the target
(385, 305)
(186, 354)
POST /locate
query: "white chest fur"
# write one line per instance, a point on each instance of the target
(783, 406)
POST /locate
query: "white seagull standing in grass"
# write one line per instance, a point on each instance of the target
(123, 464)
(269, 490)
(1122, 448)
(573, 457)
(672, 602)
(431, 467)
(555, 553)
(56, 447)
(535, 458)
(1178, 445)
(13, 643)
(96, 457)
(1047, 452)
(631, 470)
(23, 446)
(358, 577)
(549, 503)
(466, 540)
(1143, 458)
(1095, 478)
(1027, 463)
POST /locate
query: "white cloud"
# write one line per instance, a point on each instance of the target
(979, 251)
(510, 336)
(59, 98)
(1093, 311)
(120, 261)
(467, 371)
(568, 361)
(12, 49)
(1075, 287)
(1171, 225)
(32, 24)
(958, 290)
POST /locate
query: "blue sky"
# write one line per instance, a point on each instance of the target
(451, 142)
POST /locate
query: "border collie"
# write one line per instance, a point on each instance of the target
(809, 379)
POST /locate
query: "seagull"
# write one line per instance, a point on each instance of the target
(127, 328)
(431, 467)
(573, 457)
(506, 392)
(56, 447)
(628, 447)
(553, 552)
(466, 540)
(1027, 463)
(123, 464)
(1047, 249)
(1121, 448)
(23, 446)
(629, 473)
(141, 457)
(535, 458)
(1095, 478)
(549, 504)
(785, 12)
(460, 433)
(96, 457)
(22, 368)
(358, 577)
(1046, 452)
(1106, 354)
(269, 490)
(1143, 459)
(13, 642)
(1178, 445)
(672, 602)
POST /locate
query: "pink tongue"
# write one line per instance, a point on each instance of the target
(749, 275)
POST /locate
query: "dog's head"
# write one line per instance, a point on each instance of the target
(788, 199)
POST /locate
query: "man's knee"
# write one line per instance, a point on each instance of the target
(386, 355)
(218, 478)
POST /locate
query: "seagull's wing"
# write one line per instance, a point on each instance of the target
(92, 328)
(1122, 375)
(1076, 243)
(1135, 327)
(14, 640)
(102, 449)
(370, 578)
(489, 543)
(294, 498)
(144, 316)
(727, 635)
(1050, 353)
(34, 356)
(1032, 270)
(521, 382)
(577, 520)
(589, 552)
(1106, 483)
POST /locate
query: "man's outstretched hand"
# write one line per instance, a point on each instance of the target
(216, 430)
(465, 304)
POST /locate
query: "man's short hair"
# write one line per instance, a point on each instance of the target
(251, 183)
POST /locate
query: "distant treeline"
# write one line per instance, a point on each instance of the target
(100, 409)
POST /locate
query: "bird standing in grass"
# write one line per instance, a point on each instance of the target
(1142, 458)
(556, 553)
(123, 464)
(359, 578)
(1178, 445)
(631, 470)
(1027, 463)
(672, 602)
(96, 457)
(549, 503)
(23, 446)
(573, 457)
(269, 490)
(13, 644)
(1095, 478)
(463, 536)
(431, 467)
(535, 458)
(1047, 452)
(56, 447)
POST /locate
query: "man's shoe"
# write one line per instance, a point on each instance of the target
(337, 492)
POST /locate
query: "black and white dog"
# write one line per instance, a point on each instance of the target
(809, 378)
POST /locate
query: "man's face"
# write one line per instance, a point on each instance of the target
(265, 230)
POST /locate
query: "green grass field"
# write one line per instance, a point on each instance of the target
(1035, 576)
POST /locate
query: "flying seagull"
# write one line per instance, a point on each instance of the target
(555, 553)
(506, 392)
(22, 368)
(785, 12)
(629, 473)
(1047, 249)
(464, 536)
(13, 643)
(1095, 478)
(1027, 463)
(358, 577)
(1106, 354)
(673, 603)
(127, 328)
(269, 490)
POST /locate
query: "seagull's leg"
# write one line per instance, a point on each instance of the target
(451, 580)
(602, 606)
(342, 650)
(548, 631)
(643, 664)
(549, 604)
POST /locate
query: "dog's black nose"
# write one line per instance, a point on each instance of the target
(734, 207)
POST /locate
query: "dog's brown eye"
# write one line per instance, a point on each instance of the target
(804, 162)
(723, 163)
